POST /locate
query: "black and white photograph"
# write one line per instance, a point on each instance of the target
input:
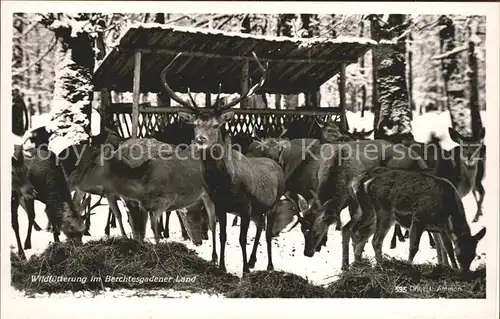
(181, 156)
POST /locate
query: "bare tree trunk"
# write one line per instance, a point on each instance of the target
(17, 49)
(410, 73)
(73, 88)
(473, 79)
(374, 30)
(394, 120)
(455, 83)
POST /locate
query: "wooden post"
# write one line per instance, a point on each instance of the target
(343, 120)
(208, 99)
(244, 83)
(136, 93)
(103, 108)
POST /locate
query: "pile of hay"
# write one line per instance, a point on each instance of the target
(140, 265)
(276, 284)
(397, 279)
(119, 263)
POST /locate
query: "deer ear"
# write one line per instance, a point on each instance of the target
(227, 116)
(325, 205)
(320, 122)
(368, 133)
(187, 117)
(480, 234)
(455, 136)
(302, 203)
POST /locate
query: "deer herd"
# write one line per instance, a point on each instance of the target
(278, 184)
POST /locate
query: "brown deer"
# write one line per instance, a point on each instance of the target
(326, 170)
(249, 187)
(463, 165)
(51, 188)
(416, 200)
(110, 164)
(333, 132)
(22, 189)
(77, 181)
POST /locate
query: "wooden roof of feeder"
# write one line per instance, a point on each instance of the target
(211, 57)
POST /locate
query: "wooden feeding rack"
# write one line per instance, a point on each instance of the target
(210, 57)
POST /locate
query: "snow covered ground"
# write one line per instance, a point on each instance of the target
(288, 256)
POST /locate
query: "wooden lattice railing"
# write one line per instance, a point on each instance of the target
(267, 122)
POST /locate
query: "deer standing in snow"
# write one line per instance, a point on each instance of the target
(249, 187)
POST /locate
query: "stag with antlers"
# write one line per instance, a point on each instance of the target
(249, 187)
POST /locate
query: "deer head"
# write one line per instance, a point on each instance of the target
(469, 147)
(360, 135)
(208, 123)
(313, 221)
(332, 132)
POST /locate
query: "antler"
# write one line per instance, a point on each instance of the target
(297, 211)
(252, 90)
(193, 107)
(98, 203)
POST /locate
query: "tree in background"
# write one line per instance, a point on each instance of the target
(73, 88)
(393, 119)
(455, 83)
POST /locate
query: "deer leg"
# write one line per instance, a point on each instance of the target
(398, 234)
(382, 228)
(212, 222)
(116, 210)
(346, 237)
(449, 249)
(108, 223)
(138, 219)
(55, 232)
(222, 238)
(269, 243)
(29, 206)
(478, 192)
(360, 239)
(185, 235)
(154, 219)
(235, 221)
(14, 205)
(406, 235)
(112, 220)
(245, 223)
(166, 229)
(259, 226)
(416, 231)
(440, 250)
(161, 229)
(431, 240)
(87, 219)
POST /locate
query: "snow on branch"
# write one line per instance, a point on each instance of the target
(450, 53)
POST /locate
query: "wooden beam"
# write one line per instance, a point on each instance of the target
(343, 120)
(122, 108)
(244, 83)
(136, 93)
(240, 58)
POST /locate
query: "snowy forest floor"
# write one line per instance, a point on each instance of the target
(288, 256)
